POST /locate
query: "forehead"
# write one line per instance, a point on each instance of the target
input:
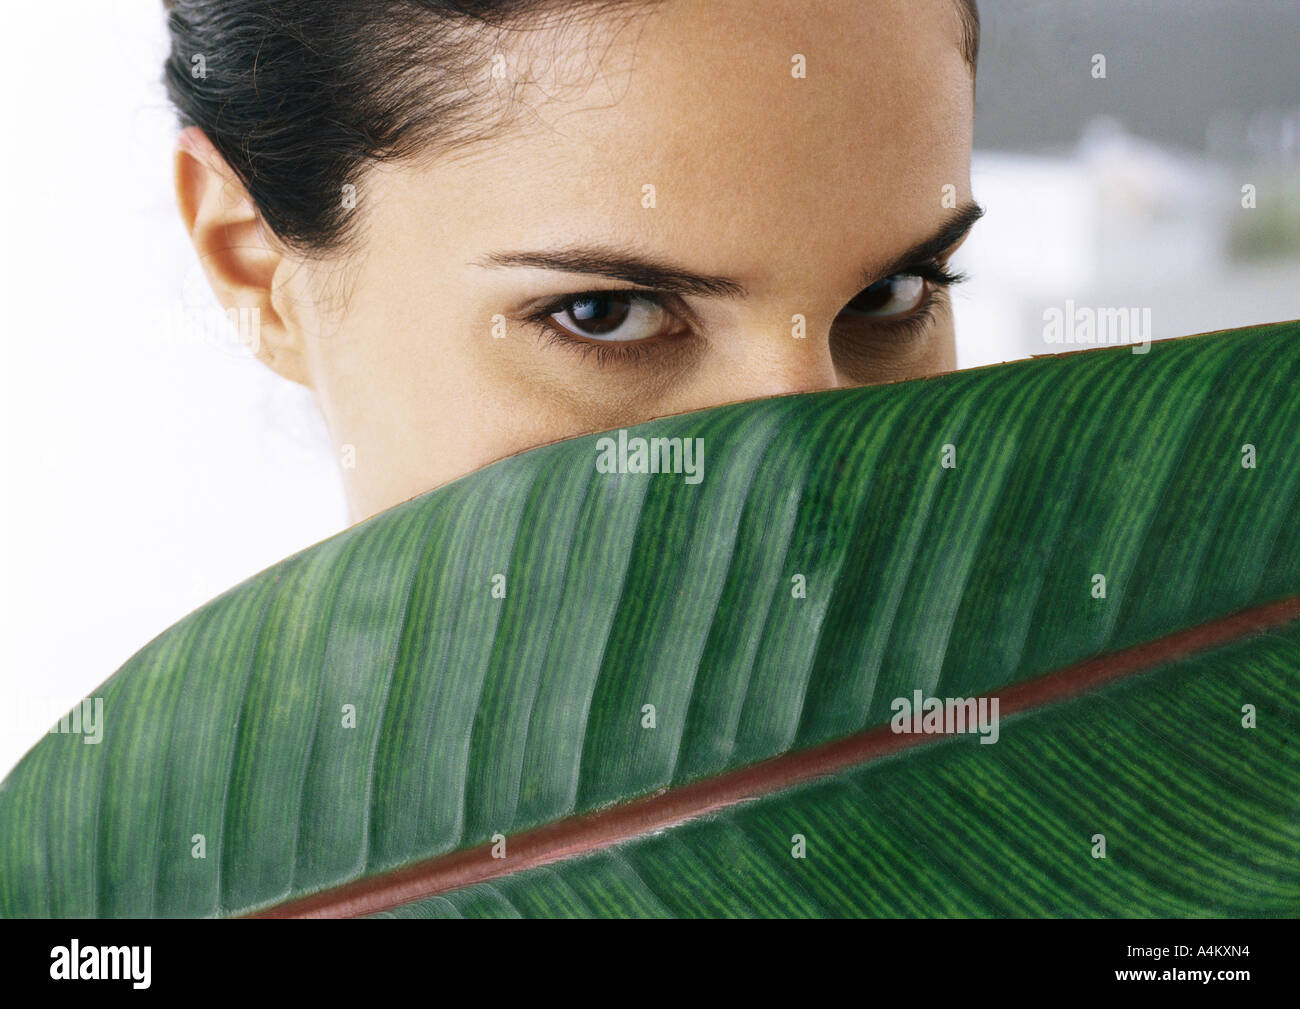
(833, 123)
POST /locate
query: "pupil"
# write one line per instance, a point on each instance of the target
(599, 315)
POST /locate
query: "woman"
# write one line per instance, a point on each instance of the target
(473, 228)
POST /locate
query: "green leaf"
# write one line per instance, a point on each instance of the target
(523, 718)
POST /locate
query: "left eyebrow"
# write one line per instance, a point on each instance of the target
(619, 264)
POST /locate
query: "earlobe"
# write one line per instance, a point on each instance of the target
(240, 258)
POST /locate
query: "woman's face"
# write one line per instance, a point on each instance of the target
(672, 194)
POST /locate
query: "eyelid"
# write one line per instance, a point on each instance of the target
(934, 271)
(634, 350)
(904, 328)
(687, 322)
(560, 302)
(605, 351)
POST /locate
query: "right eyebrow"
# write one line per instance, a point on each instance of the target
(616, 263)
(941, 240)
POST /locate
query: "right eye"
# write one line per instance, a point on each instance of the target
(611, 317)
(890, 297)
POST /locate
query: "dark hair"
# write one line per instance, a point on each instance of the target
(298, 95)
(969, 12)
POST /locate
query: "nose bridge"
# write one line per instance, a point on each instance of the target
(788, 356)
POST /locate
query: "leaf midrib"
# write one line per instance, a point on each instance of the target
(626, 821)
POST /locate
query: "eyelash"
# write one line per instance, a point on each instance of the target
(937, 276)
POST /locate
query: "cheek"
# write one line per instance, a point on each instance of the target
(424, 393)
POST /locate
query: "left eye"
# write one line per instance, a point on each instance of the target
(900, 294)
(612, 317)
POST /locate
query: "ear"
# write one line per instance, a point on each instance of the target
(242, 261)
